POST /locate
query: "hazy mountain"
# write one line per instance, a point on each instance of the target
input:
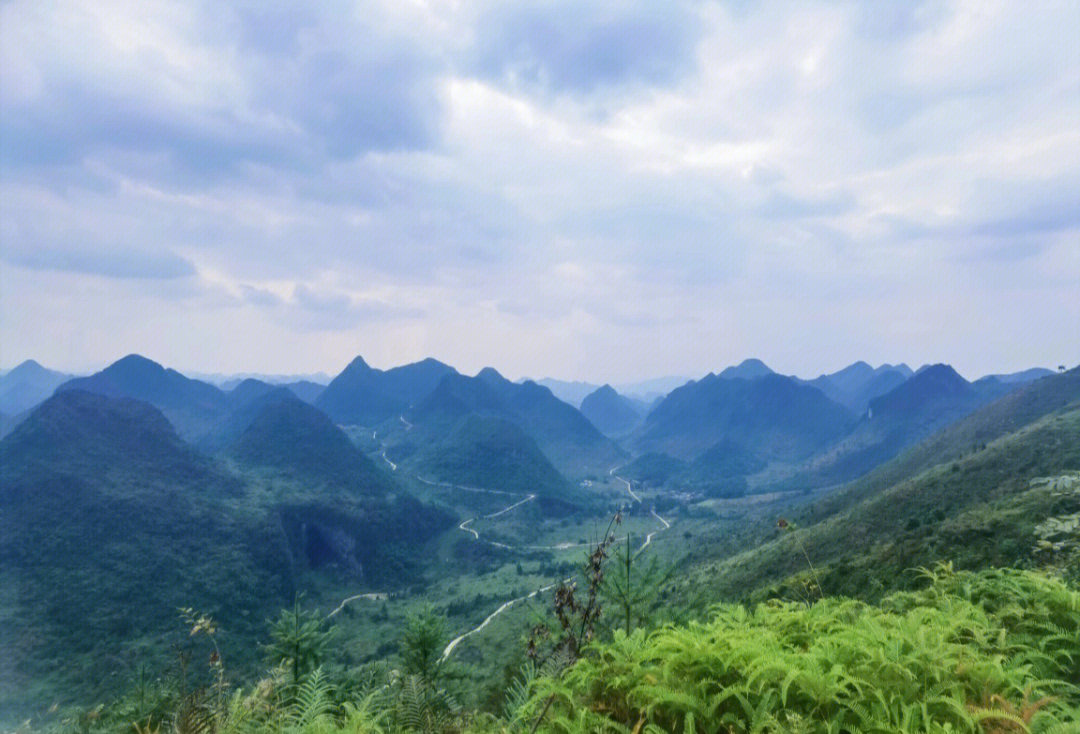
(653, 468)
(306, 390)
(924, 397)
(493, 453)
(725, 459)
(859, 383)
(719, 471)
(1022, 376)
(651, 390)
(367, 396)
(931, 399)
(26, 385)
(1022, 407)
(613, 414)
(568, 392)
(228, 382)
(565, 436)
(748, 369)
(193, 407)
(777, 415)
(297, 440)
(974, 503)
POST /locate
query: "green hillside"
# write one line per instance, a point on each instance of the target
(777, 415)
(492, 453)
(295, 439)
(980, 510)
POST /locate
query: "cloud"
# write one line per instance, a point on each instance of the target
(588, 190)
(110, 263)
(87, 80)
(584, 47)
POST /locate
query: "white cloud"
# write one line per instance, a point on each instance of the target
(525, 187)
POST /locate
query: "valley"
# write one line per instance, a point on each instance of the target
(470, 507)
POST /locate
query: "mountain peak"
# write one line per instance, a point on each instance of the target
(490, 374)
(27, 364)
(356, 365)
(748, 369)
(135, 362)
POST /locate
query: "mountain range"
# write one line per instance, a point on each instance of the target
(26, 385)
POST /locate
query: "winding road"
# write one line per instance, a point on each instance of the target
(562, 546)
(464, 526)
(375, 596)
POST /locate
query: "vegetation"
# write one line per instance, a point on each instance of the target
(467, 606)
(988, 652)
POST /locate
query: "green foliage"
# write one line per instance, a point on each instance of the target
(299, 641)
(983, 514)
(421, 644)
(995, 651)
(631, 586)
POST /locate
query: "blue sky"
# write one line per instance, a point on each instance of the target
(606, 191)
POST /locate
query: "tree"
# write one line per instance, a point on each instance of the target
(421, 644)
(632, 585)
(299, 640)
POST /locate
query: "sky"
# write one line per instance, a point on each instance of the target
(603, 191)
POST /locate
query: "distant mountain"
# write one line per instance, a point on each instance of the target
(568, 392)
(776, 415)
(1028, 375)
(306, 390)
(748, 369)
(722, 462)
(651, 390)
(190, 405)
(228, 382)
(930, 400)
(25, 386)
(493, 453)
(924, 396)
(297, 440)
(1018, 409)
(719, 471)
(565, 436)
(653, 468)
(613, 414)
(859, 383)
(974, 502)
(366, 396)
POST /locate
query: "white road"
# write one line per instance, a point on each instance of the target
(629, 489)
(375, 596)
(487, 620)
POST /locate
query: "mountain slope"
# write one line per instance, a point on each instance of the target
(363, 395)
(857, 384)
(493, 453)
(568, 392)
(778, 416)
(932, 399)
(564, 435)
(26, 385)
(190, 405)
(966, 493)
(978, 511)
(297, 440)
(1011, 413)
(611, 413)
(748, 369)
(108, 524)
